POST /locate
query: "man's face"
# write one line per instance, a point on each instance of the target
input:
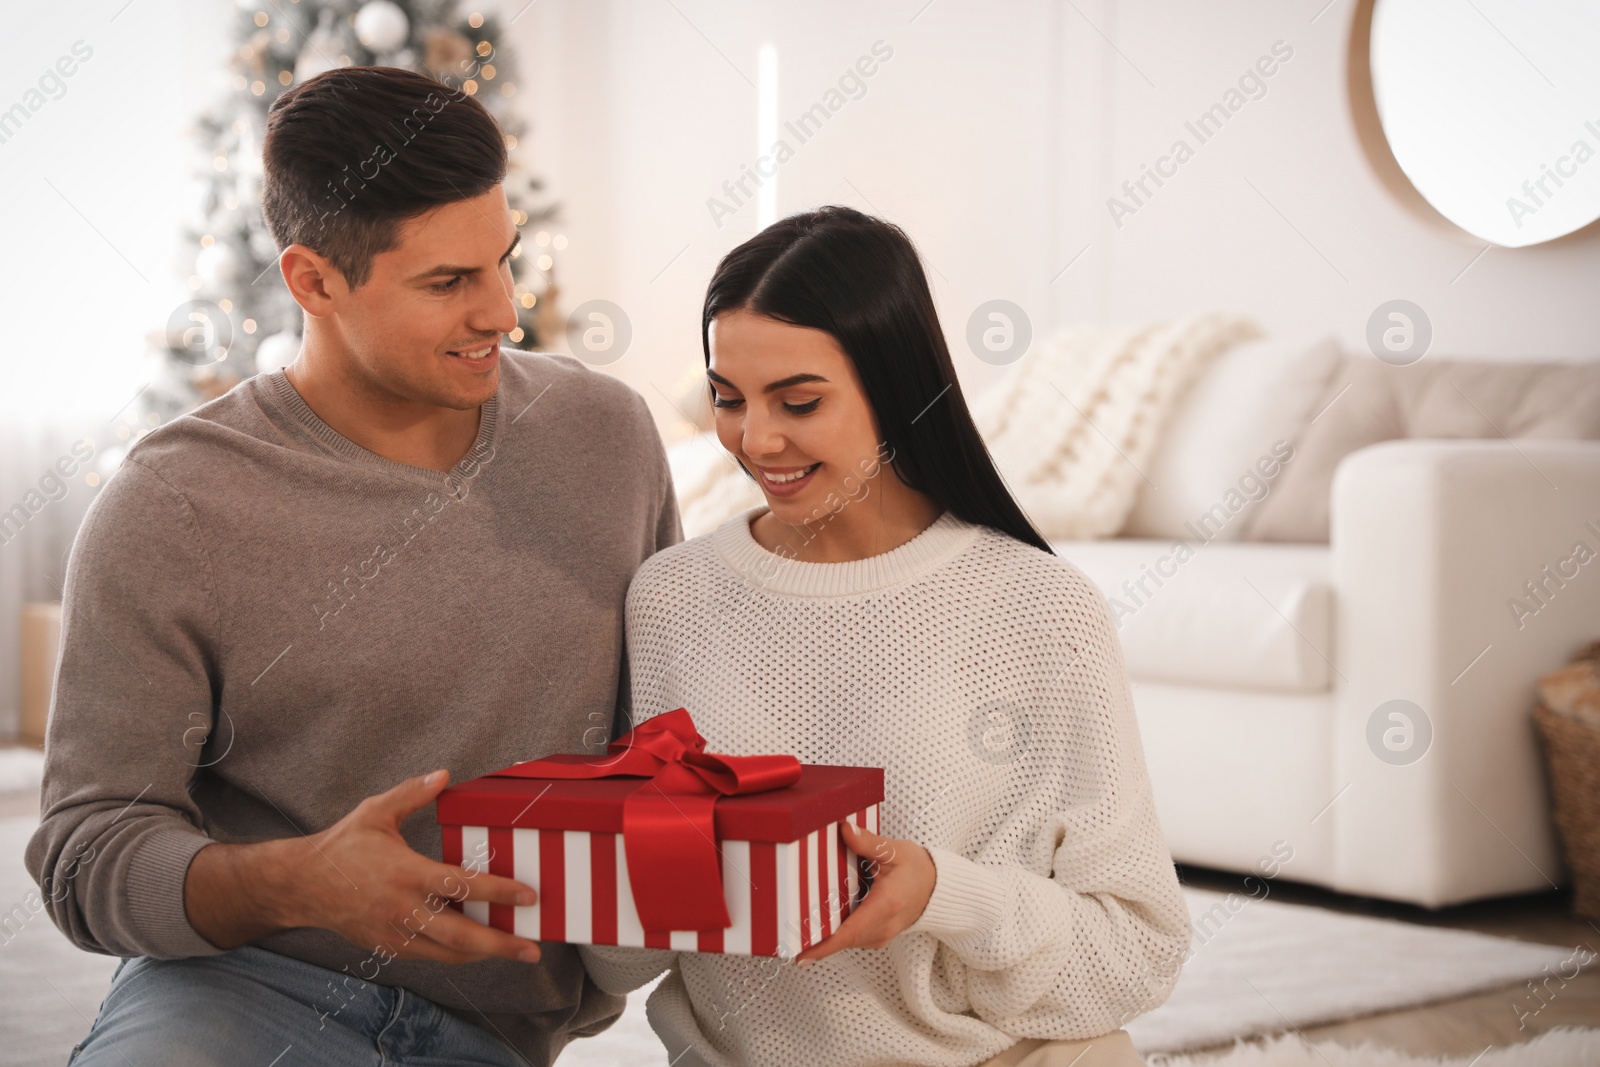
(446, 290)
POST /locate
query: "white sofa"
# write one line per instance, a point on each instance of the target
(1256, 668)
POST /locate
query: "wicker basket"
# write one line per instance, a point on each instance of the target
(1572, 752)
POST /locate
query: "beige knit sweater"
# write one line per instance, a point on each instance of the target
(985, 677)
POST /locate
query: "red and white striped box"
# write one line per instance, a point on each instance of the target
(787, 877)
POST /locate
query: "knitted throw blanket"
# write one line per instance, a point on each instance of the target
(1073, 425)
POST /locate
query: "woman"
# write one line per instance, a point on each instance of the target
(891, 606)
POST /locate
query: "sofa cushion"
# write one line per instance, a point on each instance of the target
(1254, 396)
(1244, 616)
(1368, 402)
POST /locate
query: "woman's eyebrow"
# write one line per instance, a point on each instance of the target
(773, 387)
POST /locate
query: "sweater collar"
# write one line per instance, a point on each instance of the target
(289, 399)
(925, 553)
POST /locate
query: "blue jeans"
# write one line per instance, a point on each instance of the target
(251, 1006)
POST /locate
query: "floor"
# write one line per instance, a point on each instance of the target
(16, 804)
(1465, 1026)
(1468, 1025)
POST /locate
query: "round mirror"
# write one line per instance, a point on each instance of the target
(1492, 110)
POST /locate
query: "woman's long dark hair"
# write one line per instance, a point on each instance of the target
(858, 279)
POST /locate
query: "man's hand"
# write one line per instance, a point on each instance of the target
(359, 879)
(902, 884)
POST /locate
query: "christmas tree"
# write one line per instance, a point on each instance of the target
(240, 318)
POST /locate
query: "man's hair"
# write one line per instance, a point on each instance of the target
(353, 153)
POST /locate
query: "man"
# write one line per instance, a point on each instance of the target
(292, 611)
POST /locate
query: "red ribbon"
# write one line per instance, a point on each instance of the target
(668, 824)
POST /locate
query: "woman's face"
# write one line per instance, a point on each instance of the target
(790, 407)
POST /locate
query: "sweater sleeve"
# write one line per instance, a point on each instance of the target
(1068, 920)
(134, 699)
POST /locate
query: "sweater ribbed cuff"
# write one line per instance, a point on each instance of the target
(967, 899)
(156, 873)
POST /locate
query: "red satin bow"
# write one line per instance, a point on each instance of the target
(668, 826)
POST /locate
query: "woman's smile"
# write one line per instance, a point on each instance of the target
(785, 481)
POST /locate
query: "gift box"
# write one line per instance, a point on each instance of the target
(659, 844)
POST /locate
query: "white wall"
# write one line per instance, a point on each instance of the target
(1210, 239)
(95, 185)
(995, 135)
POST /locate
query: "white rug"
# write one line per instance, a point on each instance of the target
(1253, 971)
(1558, 1048)
(1266, 966)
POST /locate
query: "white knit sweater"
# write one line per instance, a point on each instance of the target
(985, 677)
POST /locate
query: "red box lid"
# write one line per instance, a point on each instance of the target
(822, 795)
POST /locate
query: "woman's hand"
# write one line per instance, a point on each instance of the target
(901, 886)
